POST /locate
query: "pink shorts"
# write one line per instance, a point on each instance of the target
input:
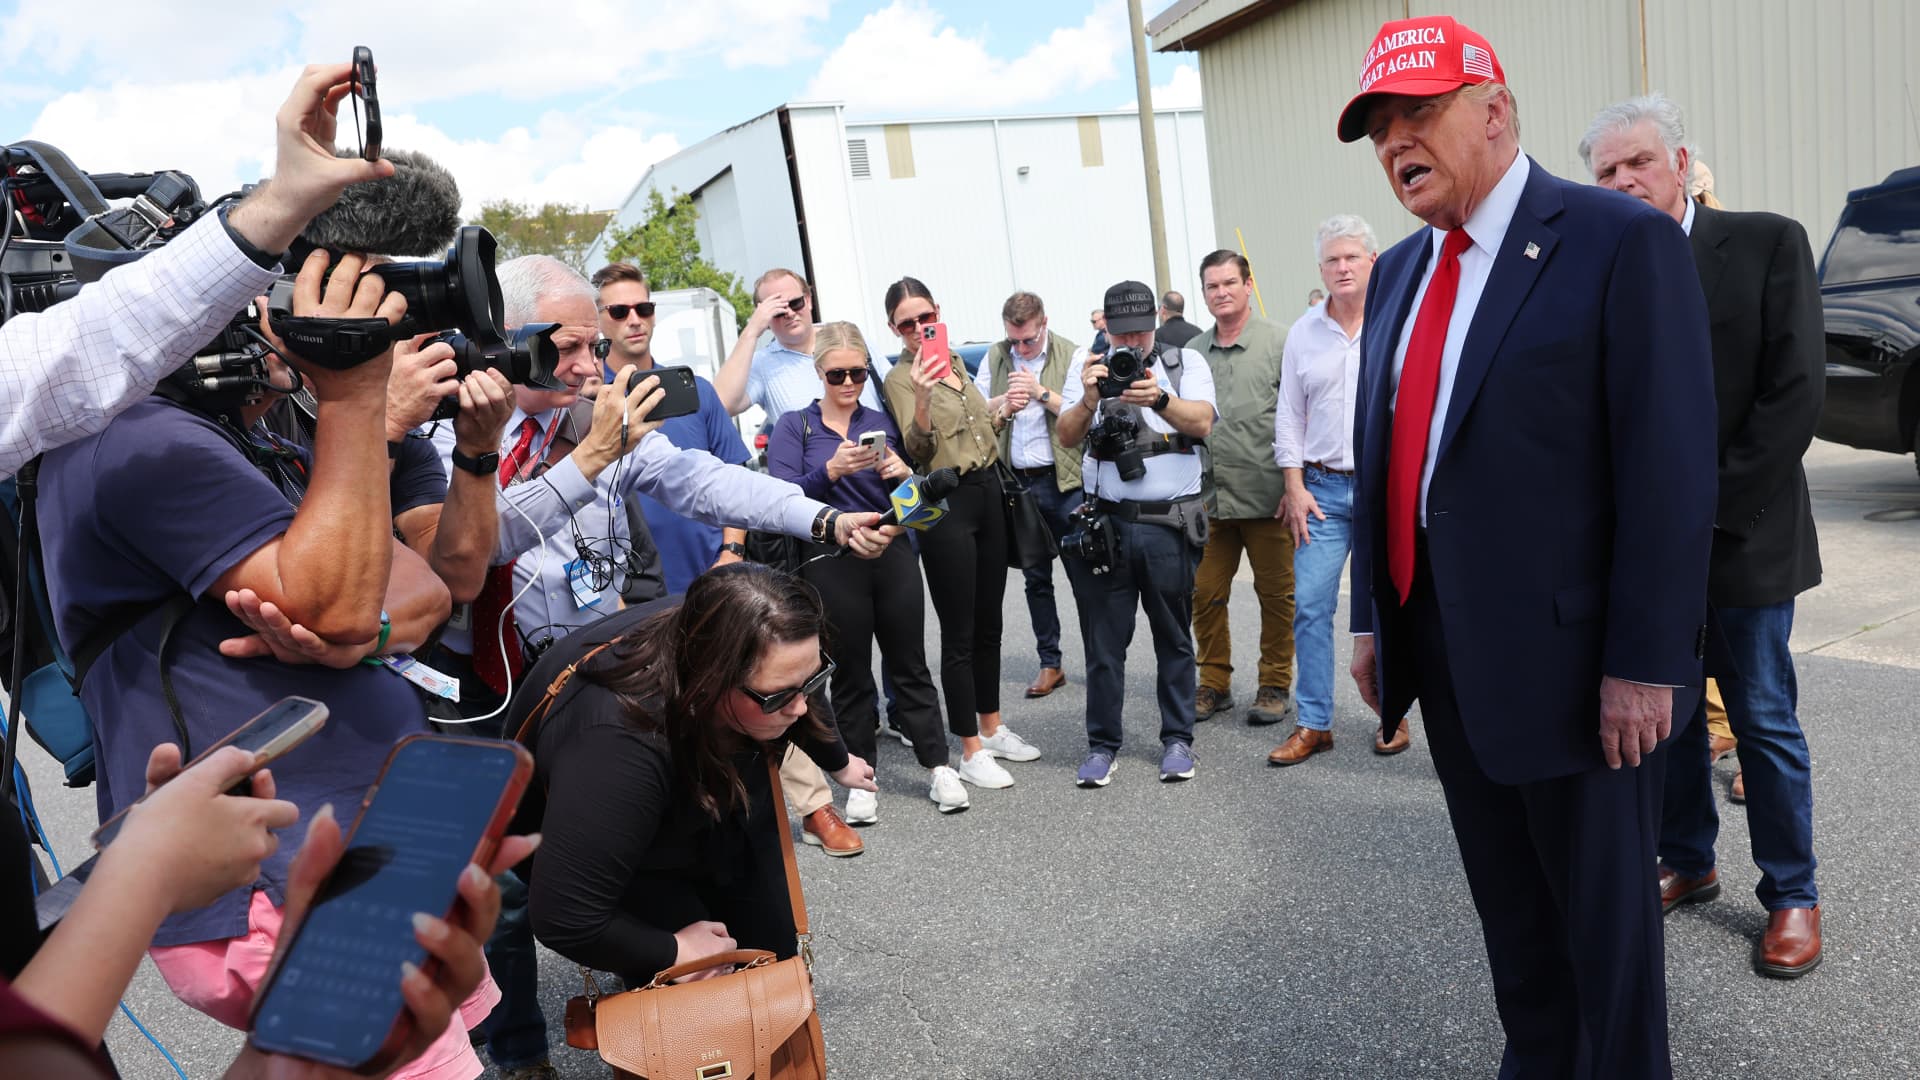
(220, 978)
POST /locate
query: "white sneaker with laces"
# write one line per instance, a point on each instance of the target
(1006, 745)
(863, 807)
(947, 791)
(981, 770)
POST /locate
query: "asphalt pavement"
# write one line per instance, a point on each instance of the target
(1310, 922)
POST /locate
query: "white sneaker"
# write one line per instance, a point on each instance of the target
(981, 770)
(1006, 745)
(947, 791)
(863, 807)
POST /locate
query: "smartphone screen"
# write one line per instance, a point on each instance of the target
(284, 725)
(440, 803)
(933, 345)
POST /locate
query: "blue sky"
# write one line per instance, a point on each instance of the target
(572, 107)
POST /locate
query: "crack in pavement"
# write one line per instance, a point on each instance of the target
(1863, 630)
(926, 1026)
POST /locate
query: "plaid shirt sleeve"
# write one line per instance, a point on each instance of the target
(67, 371)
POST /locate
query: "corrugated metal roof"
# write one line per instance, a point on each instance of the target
(1190, 24)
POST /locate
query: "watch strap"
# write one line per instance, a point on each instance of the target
(485, 465)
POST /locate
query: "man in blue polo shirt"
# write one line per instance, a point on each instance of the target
(780, 377)
(687, 548)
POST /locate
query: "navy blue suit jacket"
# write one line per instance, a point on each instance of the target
(1570, 513)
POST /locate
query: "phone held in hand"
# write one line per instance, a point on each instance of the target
(682, 394)
(282, 726)
(333, 993)
(366, 103)
(933, 346)
(876, 441)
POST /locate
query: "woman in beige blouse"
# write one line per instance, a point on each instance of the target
(946, 424)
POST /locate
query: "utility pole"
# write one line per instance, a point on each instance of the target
(1149, 150)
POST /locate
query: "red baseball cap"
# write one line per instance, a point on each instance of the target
(1419, 57)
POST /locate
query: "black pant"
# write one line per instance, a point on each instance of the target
(966, 559)
(865, 599)
(1564, 876)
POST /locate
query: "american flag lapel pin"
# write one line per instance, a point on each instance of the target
(1533, 250)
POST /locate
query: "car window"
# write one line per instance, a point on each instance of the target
(1877, 238)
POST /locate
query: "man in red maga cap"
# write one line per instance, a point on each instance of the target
(1532, 516)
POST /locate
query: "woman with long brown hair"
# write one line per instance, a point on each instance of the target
(661, 834)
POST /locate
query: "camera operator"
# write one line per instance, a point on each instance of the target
(149, 525)
(68, 370)
(1143, 518)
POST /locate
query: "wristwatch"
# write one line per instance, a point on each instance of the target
(1046, 395)
(734, 547)
(1162, 403)
(823, 532)
(485, 465)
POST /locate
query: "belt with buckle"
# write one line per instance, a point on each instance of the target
(1034, 471)
(1329, 469)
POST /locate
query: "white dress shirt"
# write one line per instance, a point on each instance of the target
(1168, 476)
(1487, 227)
(1686, 220)
(1032, 446)
(1319, 382)
(68, 370)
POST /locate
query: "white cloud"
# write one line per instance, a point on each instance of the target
(904, 58)
(1181, 90)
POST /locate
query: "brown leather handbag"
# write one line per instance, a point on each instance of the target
(756, 1021)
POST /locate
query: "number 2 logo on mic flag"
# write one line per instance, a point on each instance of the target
(911, 509)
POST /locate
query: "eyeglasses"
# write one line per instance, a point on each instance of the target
(925, 318)
(1029, 342)
(794, 305)
(780, 699)
(839, 376)
(619, 311)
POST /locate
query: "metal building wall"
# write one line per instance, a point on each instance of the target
(1792, 102)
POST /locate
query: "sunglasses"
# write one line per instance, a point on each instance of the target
(794, 305)
(839, 376)
(620, 311)
(780, 699)
(925, 318)
(1029, 342)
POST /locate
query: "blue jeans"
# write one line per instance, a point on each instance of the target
(1153, 572)
(516, 1030)
(1761, 708)
(1316, 592)
(1055, 506)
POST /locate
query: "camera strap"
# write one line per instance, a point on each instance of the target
(107, 237)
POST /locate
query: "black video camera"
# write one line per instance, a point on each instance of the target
(1091, 539)
(1112, 441)
(1124, 368)
(527, 357)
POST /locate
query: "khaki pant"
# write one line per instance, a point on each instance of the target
(804, 783)
(1269, 548)
(1717, 725)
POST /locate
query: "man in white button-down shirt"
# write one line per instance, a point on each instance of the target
(1313, 445)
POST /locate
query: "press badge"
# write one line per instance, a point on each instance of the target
(433, 682)
(579, 579)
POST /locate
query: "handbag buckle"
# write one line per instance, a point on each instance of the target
(806, 952)
(719, 1070)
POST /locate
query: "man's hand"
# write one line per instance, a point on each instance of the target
(194, 842)
(858, 775)
(307, 177)
(1090, 376)
(619, 421)
(1021, 388)
(1143, 391)
(486, 404)
(1633, 719)
(283, 639)
(1295, 505)
(423, 375)
(862, 534)
(850, 458)
(1366, 671)
(769, 309)
(348, 295)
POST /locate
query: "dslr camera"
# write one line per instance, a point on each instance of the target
(1091, 540)
(527, 356)
(1124, 368)
(1112, 440)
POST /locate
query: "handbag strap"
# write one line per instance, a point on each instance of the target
(794, 894)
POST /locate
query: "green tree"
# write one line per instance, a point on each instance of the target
(557, 229)
(666, 249)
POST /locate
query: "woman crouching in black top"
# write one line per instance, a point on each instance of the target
(660, 827)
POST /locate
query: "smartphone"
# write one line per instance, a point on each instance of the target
(284, 725)
(333, 993)
(876, 441)
(683, 397)
(366, 103)
(933, 346)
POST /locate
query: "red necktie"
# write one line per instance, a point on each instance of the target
(1413, 409)
(490, 644)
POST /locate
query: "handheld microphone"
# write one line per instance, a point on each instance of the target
(412, 214)
(918, 501)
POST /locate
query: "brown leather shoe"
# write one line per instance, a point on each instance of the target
(1049, 680)
(1676, 890)
(1738, 792)
(1718, 747)
(1791, 946)
(1402, 739)
(1207, 701)
(1301, 745)
(1270, 706)
(825, 830)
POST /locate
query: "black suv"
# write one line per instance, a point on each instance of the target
(1870, 287)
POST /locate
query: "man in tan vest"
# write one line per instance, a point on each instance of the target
(1021, 377)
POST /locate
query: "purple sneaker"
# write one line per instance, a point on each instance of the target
(1096, 770)
(1176, 763)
